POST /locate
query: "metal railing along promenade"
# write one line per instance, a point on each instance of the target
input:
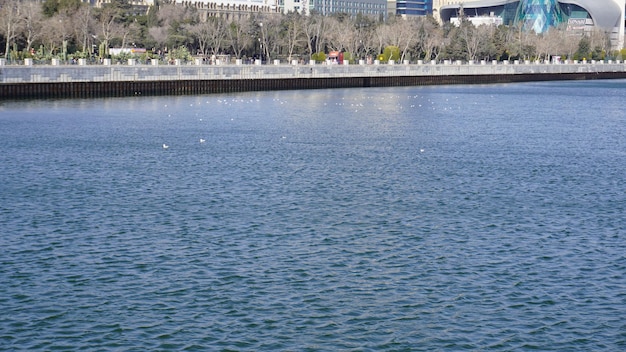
(81, 80)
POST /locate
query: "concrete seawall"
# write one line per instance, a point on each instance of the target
(76, 81)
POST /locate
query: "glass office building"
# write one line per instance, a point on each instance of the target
(414, 7)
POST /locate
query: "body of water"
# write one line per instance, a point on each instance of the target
(396, 219)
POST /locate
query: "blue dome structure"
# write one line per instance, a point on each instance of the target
(539, 15)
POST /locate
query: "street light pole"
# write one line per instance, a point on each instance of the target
(261, 40)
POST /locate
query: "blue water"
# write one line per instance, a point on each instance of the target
(398, 219)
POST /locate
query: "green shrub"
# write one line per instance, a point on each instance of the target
(27, 54)
(321, 56)
(122, 57)
(148, 56)
(181, 53)
(81, 55)
(391, 53)
(348, 57)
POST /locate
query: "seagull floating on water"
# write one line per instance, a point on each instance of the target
(202, 140)
(165, 146)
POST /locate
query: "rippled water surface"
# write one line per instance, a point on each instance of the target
(422, 218)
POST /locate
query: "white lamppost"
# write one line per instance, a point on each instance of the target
(261, 41)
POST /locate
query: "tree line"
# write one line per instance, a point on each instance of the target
(67, 29)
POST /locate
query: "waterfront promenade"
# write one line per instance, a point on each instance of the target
(82, 80)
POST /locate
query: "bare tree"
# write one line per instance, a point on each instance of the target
(474, 37)
(550, 43)
(341, 34)
(486, 46)
(313, 29)
(269, 34)
(129, 33)
(210, 34)
(218, 35)
(202, 32)
(527, 43)
(108, 28)
(292, 33)
(506, 40)
(54, 35)
(379, 39)
(65, 29)
(170, 18)
(10, 22)
(367, 40)
(237, 35)
(402, 34)
(570, 44)
(83, 30)
(430, 38)
(32, 23)
(599, 40)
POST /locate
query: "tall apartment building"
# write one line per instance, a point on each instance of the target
(375, 8)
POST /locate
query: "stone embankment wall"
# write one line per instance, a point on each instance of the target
(68, 81)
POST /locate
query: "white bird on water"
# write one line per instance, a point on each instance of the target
(165, 146)
(202, 140)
